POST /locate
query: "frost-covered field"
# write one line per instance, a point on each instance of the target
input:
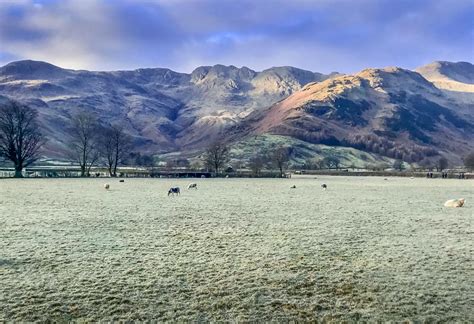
(236, 249)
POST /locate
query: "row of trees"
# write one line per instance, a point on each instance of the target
(217, 156)
(333, 163)
(330, 162)
(94, 143)
(91, 142)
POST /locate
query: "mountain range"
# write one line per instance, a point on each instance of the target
(388, 112)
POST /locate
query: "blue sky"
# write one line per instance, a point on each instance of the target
(318, 35)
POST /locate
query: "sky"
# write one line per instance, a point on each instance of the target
(318, 35)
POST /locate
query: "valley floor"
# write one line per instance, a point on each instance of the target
(236, 249)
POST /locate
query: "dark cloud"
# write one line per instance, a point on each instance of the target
(324, 35)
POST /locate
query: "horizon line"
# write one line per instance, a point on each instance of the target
(228, 66)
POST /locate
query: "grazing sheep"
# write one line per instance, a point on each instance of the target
(122, 180)
(293, 187)
(192, 186)
(454, 203)
(324, 186)
(107, 186)
(174, 191)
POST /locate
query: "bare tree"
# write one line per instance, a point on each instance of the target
(469, 161)
(442, 164)
(114, 145)
(84, 143)
(280, 158)
(20, 138)
(216, 156)
(312, 164)
(257, 163)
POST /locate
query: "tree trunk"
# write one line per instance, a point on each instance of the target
(18, 173)
(88, 173)
(84, 162)
(116, 160)
(114, 172)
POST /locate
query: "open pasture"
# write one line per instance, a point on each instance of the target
(236, 249)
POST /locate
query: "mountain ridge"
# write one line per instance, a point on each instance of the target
(391, 111)
(156, 104)
(168, 111)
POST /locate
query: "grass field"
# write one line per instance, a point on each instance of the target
(236, 249)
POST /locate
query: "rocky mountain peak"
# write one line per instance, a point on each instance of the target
(220, 74)
(394, 79)
(442, 70)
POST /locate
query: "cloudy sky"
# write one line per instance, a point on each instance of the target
(319, 35)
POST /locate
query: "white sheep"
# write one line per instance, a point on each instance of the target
(454, 203)
(106, 186)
